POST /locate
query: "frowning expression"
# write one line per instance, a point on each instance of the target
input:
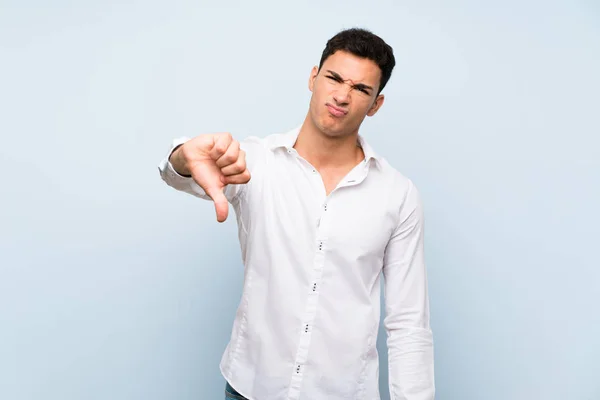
(344, 92)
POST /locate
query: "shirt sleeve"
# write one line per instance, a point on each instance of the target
(250, 145)
(409, 336)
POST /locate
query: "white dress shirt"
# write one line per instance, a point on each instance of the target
(307, 323)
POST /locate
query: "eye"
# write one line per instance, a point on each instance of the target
(333, 78)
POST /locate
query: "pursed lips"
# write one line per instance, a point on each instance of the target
(336, 111)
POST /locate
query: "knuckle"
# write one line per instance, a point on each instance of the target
(220, 148)
(230, 158)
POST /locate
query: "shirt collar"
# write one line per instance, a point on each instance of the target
(288, 139)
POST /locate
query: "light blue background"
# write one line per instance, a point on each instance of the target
(114, 286)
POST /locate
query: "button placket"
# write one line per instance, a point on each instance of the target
(306, 329)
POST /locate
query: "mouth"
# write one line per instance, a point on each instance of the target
(336, 111)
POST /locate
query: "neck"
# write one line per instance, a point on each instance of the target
(325, 151)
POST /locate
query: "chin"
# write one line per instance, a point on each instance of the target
(335, 128)
(334, 133)
(331, 130)
(331, 126)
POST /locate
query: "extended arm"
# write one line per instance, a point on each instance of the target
(209, 166)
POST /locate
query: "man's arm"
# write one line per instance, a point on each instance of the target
(409, 337)
(210, 166)
(177, 177)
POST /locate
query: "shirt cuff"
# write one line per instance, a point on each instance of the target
(166, 169)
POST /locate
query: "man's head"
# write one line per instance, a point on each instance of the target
(346, 86)
(364, 44)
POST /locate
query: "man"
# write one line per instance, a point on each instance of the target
(321, 217)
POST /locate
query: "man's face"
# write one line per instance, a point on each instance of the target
(344, 92)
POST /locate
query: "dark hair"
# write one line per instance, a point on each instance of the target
(365, 44)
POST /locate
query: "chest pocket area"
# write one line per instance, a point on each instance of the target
(359, 229)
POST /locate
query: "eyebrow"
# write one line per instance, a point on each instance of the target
(357, 86)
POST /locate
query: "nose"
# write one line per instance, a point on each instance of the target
(342, 94)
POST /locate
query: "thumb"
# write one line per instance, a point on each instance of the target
(221, 203)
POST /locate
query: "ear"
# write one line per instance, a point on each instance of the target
(376, 105)
(313, 75)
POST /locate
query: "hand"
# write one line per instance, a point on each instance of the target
(213, 161)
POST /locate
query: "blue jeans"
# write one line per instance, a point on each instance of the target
(231, 394)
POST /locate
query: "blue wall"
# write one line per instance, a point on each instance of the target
(114, 286)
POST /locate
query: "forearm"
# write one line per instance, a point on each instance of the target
(411, 364)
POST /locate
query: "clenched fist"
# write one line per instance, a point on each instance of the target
(213, 161)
